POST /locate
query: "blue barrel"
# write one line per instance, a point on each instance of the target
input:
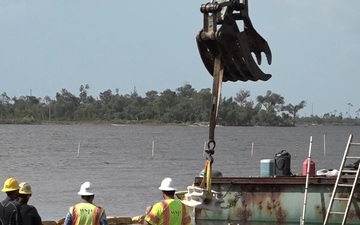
(282, 162)
(266, 167)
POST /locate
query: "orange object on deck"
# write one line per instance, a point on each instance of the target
(305, 166)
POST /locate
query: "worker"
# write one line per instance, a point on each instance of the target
(168, 211)
(9, 207)
(86, 213)
(29, 214)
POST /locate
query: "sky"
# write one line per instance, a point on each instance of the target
(50, 45)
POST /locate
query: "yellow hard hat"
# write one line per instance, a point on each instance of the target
(25, 188)
(10, 185)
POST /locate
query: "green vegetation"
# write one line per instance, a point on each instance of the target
(183, 106)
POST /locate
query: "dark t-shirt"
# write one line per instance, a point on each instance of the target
(30, 215)
(10, 212)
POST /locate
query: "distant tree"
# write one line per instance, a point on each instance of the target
(4, 101)
(272, 102)
(105, 96)
(4, 98)
(66, 105)
(32, 100)
(83, 93)
(241, 97)
(294, 109)
(164, 104)
(47, 101)
(150, 106)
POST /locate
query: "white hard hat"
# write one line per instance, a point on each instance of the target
(85, 189)
(167, 185)
(25, 188)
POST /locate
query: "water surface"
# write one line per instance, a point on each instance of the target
(118, 159)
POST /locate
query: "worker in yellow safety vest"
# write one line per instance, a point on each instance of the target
(169, 211)
(86, 213)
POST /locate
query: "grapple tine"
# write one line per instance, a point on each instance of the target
(253, 67)
(206, 54)
(258, 57)
(256, 42)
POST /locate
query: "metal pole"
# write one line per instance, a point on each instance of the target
(153, 149)
(302, 222)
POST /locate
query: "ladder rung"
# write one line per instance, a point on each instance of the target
(337, 213)
(356, 144)
(353, 157)
(341, 199)
(345, 185)
(349, 171)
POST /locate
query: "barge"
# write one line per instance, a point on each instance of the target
(277, 199)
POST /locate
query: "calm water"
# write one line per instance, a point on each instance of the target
(118, 159)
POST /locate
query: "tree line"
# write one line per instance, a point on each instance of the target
(185, 105)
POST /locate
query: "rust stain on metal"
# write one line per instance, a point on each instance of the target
(267, 203)
(269, 206)
(260, 205)
(319, 209)
(280, 215)
(232, 201)
(244, 214)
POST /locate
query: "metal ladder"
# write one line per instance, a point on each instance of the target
(350, 188)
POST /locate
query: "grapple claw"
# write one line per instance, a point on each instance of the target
(234, 46)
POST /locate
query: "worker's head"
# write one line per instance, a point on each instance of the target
(86, 192)
(11, 188)
(25, 192)
(167, 187)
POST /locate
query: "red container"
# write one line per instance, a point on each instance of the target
(305, 166)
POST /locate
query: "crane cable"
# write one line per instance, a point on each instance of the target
(216, 97)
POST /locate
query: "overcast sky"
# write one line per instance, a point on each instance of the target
(48, 45)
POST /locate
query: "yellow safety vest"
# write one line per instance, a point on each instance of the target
(86, 214)
(169, 212)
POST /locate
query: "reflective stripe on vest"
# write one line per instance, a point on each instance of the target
(86, 214)
(166, 213)
(186, 219)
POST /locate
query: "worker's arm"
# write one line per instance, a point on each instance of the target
(68, 219)
(103, 220)
(148, 210)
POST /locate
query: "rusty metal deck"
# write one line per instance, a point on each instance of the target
(276, 199)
